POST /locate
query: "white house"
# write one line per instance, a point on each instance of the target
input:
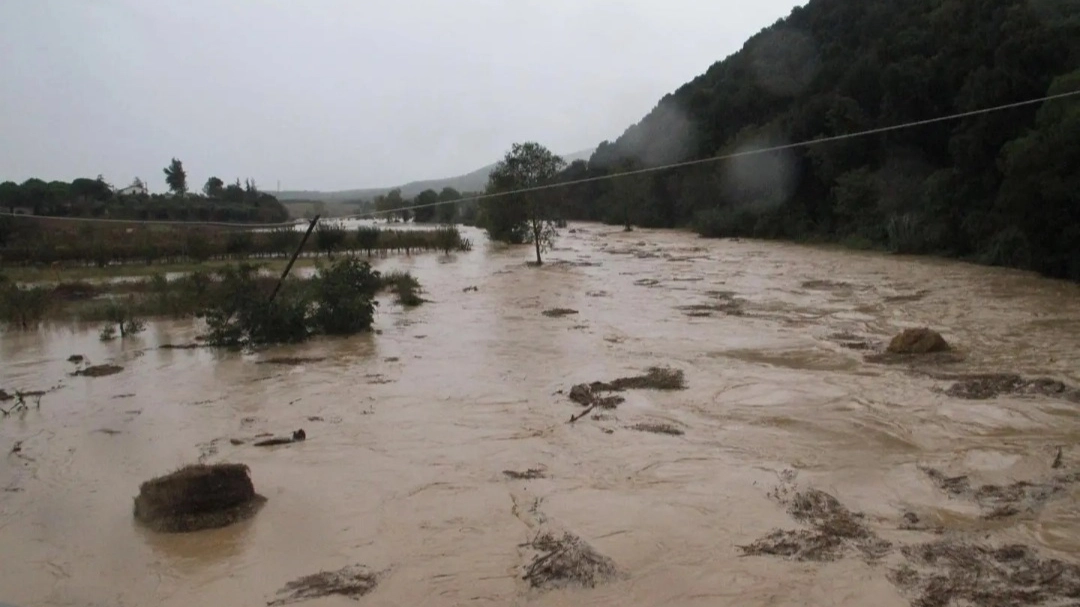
(133, 190)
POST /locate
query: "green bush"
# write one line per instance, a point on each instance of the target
(23, 306)
(344, 297)
(121, 316)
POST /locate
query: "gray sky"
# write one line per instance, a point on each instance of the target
(336, 94)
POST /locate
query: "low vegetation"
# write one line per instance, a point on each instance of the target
(234, 301)
(41, 241)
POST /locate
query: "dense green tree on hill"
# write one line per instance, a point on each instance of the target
(11, 196)
(425, 211)
(214, 187)
(447, 213)
(987, 187)
(91, 189)
(523, 217)
(176, 177)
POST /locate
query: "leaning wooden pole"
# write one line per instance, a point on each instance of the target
(295, 254)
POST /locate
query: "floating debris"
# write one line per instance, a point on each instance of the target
(834, 528)
(949, 572)
(658, 428)
(991, 385)
(567, 560)
(297, 436)
(558, 312)
(352, 582)
(1002, 501)
(99, 371)
(76, 358)
(824, 285)
(530, 474)
(292, 360)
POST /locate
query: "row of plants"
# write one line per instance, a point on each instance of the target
(238, 303)
(27, 241)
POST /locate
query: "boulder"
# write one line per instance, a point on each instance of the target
(918, 341)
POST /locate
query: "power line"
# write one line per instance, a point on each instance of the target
(777, 148)
(666, 167)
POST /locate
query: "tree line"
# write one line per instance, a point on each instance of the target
(1000, 188)
(432, 206)
(96, 198)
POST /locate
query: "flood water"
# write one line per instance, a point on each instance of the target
(409, 431)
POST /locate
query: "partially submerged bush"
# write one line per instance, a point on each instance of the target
(197, 497)
(405, 287)
(22, 306)
(121, 318)
(339, 300)
(344, 295)
(243, 314)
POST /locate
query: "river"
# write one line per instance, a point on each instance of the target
(410, 430)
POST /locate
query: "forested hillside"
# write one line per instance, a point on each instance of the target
(1000, 188)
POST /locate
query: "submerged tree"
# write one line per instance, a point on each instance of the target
(523, 216)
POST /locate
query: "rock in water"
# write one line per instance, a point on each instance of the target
(918, 341)
(197, 497)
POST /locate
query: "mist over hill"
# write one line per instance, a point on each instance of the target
(474, 181)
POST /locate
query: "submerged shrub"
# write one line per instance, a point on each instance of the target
(22, 306)
(121, 318)
(405, 287)
(337, 301)
(345, 297)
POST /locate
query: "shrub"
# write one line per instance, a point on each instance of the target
(405, 287)
(344, 297)
(23, 306)
(122, 316)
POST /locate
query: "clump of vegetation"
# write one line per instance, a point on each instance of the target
(98, 371)
(22, 306)
(197, 497)
(339, 300)
(658, 428)
(655, 378)
(352, 582)
(344, 296)
(567, 560)
(405, 287)
(121, 319)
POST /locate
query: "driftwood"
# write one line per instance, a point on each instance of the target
(574, 418)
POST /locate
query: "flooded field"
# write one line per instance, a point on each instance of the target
(439, 460)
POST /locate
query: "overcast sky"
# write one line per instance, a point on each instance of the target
(335, 94)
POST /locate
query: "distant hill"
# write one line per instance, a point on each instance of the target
(469, 182)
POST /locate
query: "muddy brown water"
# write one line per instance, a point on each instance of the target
(403, 468)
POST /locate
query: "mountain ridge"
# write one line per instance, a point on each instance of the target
(473, 181)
